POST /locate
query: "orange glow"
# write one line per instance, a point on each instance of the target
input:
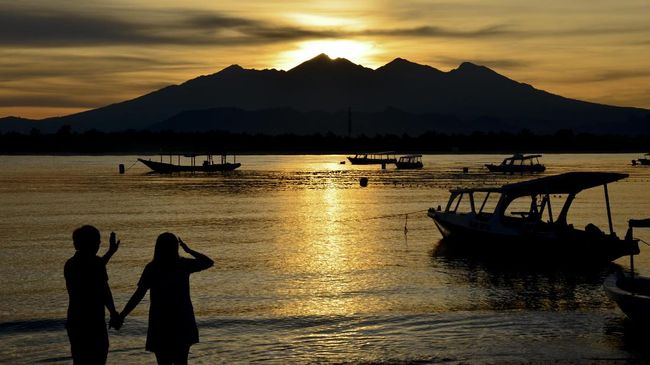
(359, 52)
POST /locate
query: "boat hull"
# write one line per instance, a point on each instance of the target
(474, 236)
(166, 168)
(409, 165)
(516, 168)
(632, 295)
(644, 161)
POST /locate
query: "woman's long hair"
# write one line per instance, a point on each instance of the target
(166, 251)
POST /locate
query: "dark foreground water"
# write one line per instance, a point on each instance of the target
(310, 267)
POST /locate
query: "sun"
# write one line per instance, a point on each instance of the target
(359, 52)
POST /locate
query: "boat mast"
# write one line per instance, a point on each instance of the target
(609, 211)
(349, 122)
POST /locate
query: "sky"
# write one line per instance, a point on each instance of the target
(64, 56)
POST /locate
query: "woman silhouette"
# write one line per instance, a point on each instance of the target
(172, 326)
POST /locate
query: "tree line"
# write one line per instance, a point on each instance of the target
(65, 140)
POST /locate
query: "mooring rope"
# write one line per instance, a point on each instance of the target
(136, 161)
(379, 217)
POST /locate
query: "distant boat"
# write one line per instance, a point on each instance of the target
(409, 162)
(373, 158)
(208, 164)
(518, 163)
(533, 233)
(631, 293)
(645, 160)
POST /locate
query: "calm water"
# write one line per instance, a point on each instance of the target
(310, 267)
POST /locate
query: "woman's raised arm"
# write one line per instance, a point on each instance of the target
(203, 261)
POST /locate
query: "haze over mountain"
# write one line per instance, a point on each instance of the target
(399, 97)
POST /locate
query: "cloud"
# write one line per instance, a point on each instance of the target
(27, 27)
(61, 28)
(44, 64)
(613, 75)
(46, 100)
(430, 31)
(504, 63)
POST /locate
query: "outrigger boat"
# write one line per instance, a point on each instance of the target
(208, 165)
(631, 292)
(409, 162)
(373, 158)
(518, 163)
(535, 232)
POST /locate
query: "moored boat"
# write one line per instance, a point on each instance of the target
(645, 160)
(373, 158)
(208, 164)
(534, 232)
(409, 162)
(518, 163)
(631, 292)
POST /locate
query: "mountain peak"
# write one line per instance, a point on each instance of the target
(401, 65)
(323, 63)
(474, 71)
(232, 68)
(467, 67)
(323, 57)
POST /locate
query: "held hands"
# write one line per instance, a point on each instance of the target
(116, 321)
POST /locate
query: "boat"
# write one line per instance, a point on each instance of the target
(373, 158)
(518, 163)
(409, 162)
(629, 291)
(208, 165)
(645, 160)
(534, 232)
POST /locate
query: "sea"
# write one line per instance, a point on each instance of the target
(310, 267)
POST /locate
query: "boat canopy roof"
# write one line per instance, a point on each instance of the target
(567, 183)
(411, 156)
(377, 153)
(519, 156)
(192, 154)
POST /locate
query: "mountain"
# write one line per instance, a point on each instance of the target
(17, 124)
(315, 96)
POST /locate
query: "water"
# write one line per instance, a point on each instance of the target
(310, 267)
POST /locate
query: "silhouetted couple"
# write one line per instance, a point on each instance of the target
(172, 326)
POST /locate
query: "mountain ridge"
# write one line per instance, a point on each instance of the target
(469, 92)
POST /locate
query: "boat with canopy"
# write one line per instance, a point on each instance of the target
(518, 163)
(373, 158)
(517, 220)
(209, 163)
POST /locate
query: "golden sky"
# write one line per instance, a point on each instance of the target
(64, 56)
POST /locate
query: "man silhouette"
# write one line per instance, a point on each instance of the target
(88, 292)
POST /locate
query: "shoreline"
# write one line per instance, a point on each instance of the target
(324, 153)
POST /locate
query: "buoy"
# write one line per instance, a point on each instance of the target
(121, 168)
(633, 162)
(342, 162)
(383, 166)
(363, 182)
(465, 170)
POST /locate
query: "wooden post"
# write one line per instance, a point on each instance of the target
(609, 212)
